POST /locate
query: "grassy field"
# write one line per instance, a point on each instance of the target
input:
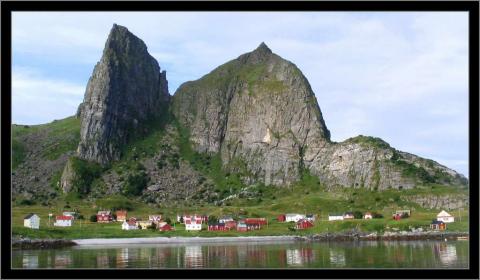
(87, 229)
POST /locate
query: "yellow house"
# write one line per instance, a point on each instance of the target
(144, 224)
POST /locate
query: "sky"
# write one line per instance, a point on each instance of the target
(400, 76)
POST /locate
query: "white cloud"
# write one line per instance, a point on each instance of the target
(37, 99)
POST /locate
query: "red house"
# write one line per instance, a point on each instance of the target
(104, 217)
(397, 217)
(164, 227)
(281, 218)
(217, 227)
(303, 224)
(260, 221)
(230, 225)
(253, 224)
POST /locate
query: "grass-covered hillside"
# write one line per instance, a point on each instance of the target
(161, 173)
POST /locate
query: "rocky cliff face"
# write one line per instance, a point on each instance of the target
(261, 114)
(125, 91)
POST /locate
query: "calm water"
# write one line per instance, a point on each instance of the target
(393, 254)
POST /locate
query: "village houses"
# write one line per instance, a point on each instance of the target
(31, 221)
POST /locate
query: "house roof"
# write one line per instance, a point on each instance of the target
(293, 214)
(368, 213)
(443, 213)
(437, 222)
(103, 213)
(29, 216)
(64, 218)
(348, 213)
(335, 214)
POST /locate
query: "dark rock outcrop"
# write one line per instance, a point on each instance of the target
(125, 91)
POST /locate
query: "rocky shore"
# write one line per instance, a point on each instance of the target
(26, 243)
(354, 235)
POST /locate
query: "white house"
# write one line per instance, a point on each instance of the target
(367, 216)
(63, 221)
(225, 219)
(193, 223)
(31, 221)
(445, 217)
(129, 225)
(294, 217)
(155, 218)
(335, 217)
(310, 217)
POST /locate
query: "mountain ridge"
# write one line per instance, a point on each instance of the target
(252, 120)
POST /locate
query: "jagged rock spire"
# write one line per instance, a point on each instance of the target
(125, 90)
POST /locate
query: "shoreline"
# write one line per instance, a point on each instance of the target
(22, 243)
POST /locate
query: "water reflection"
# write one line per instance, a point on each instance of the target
(337, 257)
(30, 261)
(413, 254)
(446, 252)
(63, 259)
(193, 256)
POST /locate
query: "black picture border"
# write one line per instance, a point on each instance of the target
(472, 7)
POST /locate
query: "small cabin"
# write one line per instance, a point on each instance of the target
(70, 213)
(438, 225)
(31, 221)
(294, 217)
(348, 216)
(368, 216)
(144, 224)
(131, 224)
(303, 224)
(63, 221)
(104, 216)
(281, 218)
(163, 226)
(242, 226)
(121, 215)
(445, 217)
(335, 217)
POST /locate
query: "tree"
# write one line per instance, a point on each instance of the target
(93, 218)
(357, 215)
(168, 220)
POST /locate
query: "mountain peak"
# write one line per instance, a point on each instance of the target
(263, 48)
(260, 54)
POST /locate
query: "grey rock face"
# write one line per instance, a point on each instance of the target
(258, 111)
(261, 114)
(125, 90)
